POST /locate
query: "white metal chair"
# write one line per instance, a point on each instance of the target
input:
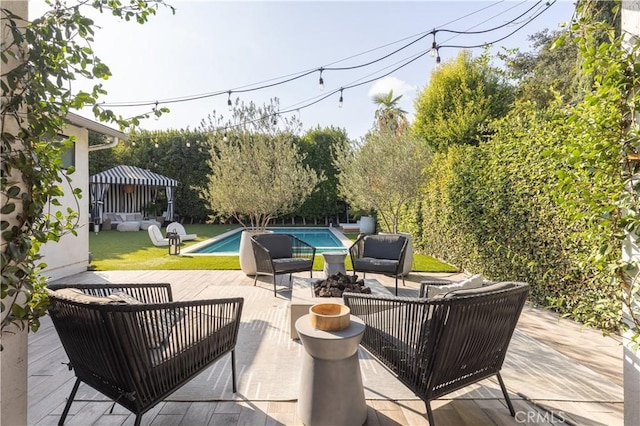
(182, 233)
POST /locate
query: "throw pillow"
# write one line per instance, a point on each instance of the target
(474, 281)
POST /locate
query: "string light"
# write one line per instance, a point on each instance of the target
(321, 81)
(188, 144)
(341, 101)
(528, 20)
(229, 103)
(434, 46)
(225, 138)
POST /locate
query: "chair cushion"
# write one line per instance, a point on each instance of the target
(369, 264)
(279, 245)
(292, 264)
(383, 246)
(481, 290)
(78, 295)
(474, 281)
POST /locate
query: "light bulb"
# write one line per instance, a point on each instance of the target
(341, 100)
(434, 47)
(229, 103)
(188, 144)
(225, 138)
(321, 81)
(438, 60)
(156, 145)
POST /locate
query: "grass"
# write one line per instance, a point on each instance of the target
(113, 250)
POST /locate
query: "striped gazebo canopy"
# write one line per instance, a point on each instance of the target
(130, 175)
(129, 189)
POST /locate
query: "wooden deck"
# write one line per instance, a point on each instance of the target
(49, 385)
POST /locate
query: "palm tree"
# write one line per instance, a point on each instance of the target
(389, 113)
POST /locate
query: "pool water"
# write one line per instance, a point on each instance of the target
(321, 238)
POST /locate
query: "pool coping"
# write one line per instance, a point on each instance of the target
(191, 250)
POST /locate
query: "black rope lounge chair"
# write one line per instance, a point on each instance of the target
(281, 254)
(380, 253)
(135, 345)
(439, 345)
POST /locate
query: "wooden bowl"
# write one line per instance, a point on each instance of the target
(329, 316)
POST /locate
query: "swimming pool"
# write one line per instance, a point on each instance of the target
(323, 239)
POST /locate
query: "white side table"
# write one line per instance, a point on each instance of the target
(334, 263)
(331, 391)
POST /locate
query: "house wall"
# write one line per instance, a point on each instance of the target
(70, 255)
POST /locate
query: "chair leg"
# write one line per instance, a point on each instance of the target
(255, 279)
(506, 395)
(274, 285)
(69, 401)
(138, 420)
(430, 414)
(396, 285)
(403, 284)
(233, 369)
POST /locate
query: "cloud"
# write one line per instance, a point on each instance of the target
(382, 87)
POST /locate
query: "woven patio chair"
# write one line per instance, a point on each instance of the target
(135, 345)
(281, 254)
(443, 344)
(380, 253)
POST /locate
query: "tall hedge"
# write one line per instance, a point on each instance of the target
(500, 209)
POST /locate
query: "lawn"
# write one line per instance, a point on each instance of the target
(113, 250)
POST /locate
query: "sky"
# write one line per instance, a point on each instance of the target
(216, 46)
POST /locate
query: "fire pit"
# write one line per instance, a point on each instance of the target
(303, 297)
(335, 285)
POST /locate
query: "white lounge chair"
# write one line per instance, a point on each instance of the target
(156, 236)
(179, 229)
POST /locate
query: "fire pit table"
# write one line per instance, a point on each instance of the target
(331, 391)
(302, 298)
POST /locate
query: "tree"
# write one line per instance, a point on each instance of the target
(320, 147)
(547, 69)
(463, 96)
(382, 173)
(257, 172)
(41, 59)
(389, 113)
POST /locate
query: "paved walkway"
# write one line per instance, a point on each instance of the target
(591, 393)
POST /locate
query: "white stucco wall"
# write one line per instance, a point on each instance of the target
(70, 255)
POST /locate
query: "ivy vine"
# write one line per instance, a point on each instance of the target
(41, 60)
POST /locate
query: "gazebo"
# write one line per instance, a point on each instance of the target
(129, 189)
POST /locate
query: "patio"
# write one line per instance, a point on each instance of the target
(556, 371)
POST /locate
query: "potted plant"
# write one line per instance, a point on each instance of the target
(257, 172)
(382, 173)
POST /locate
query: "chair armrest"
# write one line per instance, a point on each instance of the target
(397, 328)
(262, 256)
(145, 293)
(357, 248)
(302, 249)
(206, 326)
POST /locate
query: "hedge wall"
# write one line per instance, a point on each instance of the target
(502, 209)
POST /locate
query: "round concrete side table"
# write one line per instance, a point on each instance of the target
(334, 263)
(331, 391)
